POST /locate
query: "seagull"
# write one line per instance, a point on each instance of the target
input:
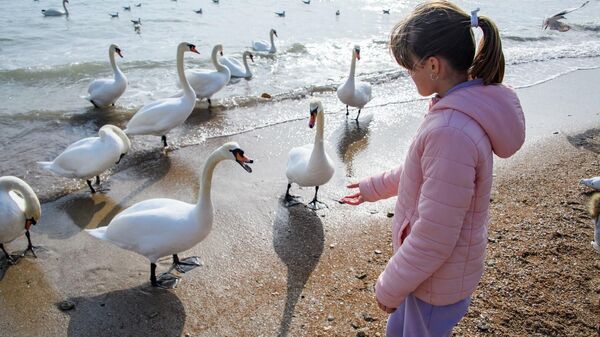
(139, 5)
(216, 1)
(114, 15)
(306, 2)
(198, 11)
(280, 13)
(553, 23)
(128, 8)
(337, 12)
(593, 182)
(137, 22)
(386, 11)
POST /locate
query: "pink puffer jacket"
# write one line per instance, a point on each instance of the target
(439, 232)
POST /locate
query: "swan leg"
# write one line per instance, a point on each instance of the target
(10, 259)
(316, 204)
(186, 264)
(356, 119)
(347, 111)
(95, 105)
(89, 182)
(291, 200)
(164, 140)
(30, 246)
(120, 157)
(165, 281)
(209, 103)
(97, 180)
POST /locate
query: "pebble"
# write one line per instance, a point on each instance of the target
(330, 318)
(361, 276)
(66, 305)
(390, 215)
(265, 95)
(377, 251)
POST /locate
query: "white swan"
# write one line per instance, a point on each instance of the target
(160, 227)
(159, 117)
(207, 82)
(309, 165)
(105, 92)
(236, 68)
(91, 156)
(264, 45)
(19, 209)
(354, 94)
(593, 182)
(57, 12)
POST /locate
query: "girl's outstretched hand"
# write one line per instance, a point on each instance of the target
(353, 199)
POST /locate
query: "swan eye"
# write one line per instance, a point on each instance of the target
(237, 153)
(314, 111)
(191, 46)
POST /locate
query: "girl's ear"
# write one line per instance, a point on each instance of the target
(433, 65)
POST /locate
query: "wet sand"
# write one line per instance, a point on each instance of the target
(269, 270)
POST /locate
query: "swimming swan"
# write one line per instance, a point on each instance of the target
(236, 68)
(207, 82)
(56, 12)
(264, 45)
(160, 227)
(159, 117)
(19, 209)
(105, 92)
(309, 165)
(354, 94)
(91, 156)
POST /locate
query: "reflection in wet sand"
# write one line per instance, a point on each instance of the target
(298, 240)
(352, 138)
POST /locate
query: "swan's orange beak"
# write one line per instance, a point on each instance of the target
(193, 50)
(358, 55)
(29, 223)
(313, 117)
(241, 159)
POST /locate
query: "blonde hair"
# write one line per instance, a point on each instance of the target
(440, 28)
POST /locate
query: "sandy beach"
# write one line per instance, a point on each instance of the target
(273, 271)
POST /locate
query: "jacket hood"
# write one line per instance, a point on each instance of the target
(497, 110)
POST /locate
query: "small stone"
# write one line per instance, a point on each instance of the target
(66, 305)
(265, 95)
(555, 133)
(390, 215)
(187, 334)
(361, 333)
(361, 276)
(332, 245)
(368, 317)
(330, 318)
(152, 315)
(355, 325)
(377, 251)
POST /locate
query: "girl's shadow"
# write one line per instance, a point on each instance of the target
(298, 240)
(142, 311)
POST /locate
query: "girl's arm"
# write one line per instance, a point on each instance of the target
(381, 186)
(448, 164)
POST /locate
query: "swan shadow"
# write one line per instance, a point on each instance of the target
(352, 139)
(83, 210)
(298, 240)
(586, 140)
(98, 117)
(140, 311)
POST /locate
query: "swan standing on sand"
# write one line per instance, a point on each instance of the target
(207, 82)
(309, 165)
(56, 12)
(91, 156)
(105, 92)
(264, 45)
(19, 209)
(236, 68)
(159, 117)
(354, 94)
(160, 227)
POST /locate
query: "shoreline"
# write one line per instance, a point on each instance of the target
(276, 271)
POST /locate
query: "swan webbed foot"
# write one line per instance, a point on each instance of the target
(187, 264)
(316, 205)
(292, 200)
(89, 182)
(166, 281)
(11, 259)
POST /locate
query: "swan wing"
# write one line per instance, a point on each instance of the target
(12, 218)
(298, 159)
(206, 83)
(52, 12)
(363, 92)
(235, 67)
(85, 158)
(160, 116)
(106, 91)
(261, 45)
(154, 227)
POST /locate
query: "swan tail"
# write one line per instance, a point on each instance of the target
(98, 233)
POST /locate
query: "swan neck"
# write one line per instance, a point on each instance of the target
(352, 67)
(32, 204)
(215, 60)
(206, 180)
(185, 85)
(245, 60)
(320, 131)
(65, 7)
(272, 42)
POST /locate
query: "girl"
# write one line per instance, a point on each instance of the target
(439, 232)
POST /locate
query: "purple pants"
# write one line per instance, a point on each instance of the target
(419, 319)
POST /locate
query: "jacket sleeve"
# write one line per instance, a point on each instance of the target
(448, 164)
(381, 186)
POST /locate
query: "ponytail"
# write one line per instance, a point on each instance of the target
(489, 60)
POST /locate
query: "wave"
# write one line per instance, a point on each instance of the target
(526, 38)
(586, 27)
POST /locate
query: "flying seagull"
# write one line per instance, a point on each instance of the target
(554, 23)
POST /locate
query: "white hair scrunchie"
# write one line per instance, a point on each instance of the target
(474, 19)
